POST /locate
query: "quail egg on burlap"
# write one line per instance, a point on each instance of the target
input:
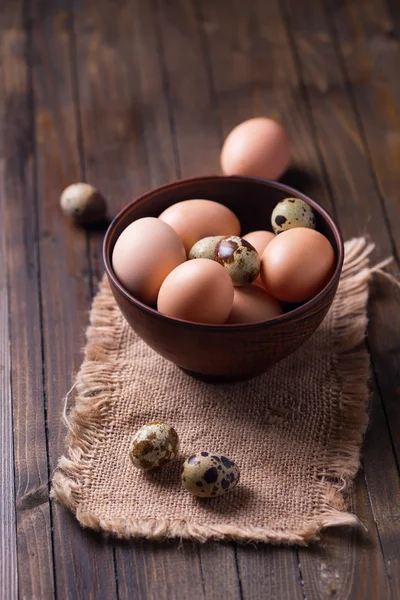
(239, 258)
(209, 474)
(205, 248)
(290, 213)
(153, 445)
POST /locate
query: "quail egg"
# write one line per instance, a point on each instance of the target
(290, 213)
(153, 445)
(236, 255)
(83, 203)
(205, 248)
(209, 474)
(239, 258)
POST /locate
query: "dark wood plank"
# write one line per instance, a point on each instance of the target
(334, 571)
(19, 237)
(121, 86)
(194, 113)
(356, 200)
(382, 474)
(221, 576)
(370, 60)
(160, 571)
(84, 564)
(359, 210)
(269, 572)
(8, 533)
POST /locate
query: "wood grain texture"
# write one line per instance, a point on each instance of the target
(121, 87)
(348, 564)
(268, 572)
(146, 95)
(84, 564)
(8, 533)
(332, 109)
(19, 237)
(155, 571)
(369, 55)
(194, 114)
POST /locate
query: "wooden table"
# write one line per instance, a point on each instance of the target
(129, 94)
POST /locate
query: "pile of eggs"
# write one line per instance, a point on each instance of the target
(192, 264)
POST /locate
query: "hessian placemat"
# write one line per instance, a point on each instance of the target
(295, 432)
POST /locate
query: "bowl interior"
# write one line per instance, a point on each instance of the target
(251, 199)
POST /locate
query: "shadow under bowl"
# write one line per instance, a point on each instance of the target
(223, 352)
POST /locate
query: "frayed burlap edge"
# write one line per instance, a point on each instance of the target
(350, 365)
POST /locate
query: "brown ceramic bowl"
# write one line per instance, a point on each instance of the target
(223, 352)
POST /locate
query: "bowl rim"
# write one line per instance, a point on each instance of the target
(285, 317)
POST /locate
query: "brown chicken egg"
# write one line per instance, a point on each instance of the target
(199, 290)
(258, 147)
(251, 304)
(297, 264)
(196, 219)
(145, 252)
(259, 240)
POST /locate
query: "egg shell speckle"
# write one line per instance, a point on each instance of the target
(205, 248)
(239, 258)
(209, 474)
(290, 213)
(83, 203)
(153, 445)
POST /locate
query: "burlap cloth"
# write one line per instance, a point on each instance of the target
(295, 432)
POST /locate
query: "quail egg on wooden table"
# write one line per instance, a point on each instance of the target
(290, 213)
(209, 474)
(83, 203)
(153, 445)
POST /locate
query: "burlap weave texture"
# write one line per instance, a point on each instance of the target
(295, 432)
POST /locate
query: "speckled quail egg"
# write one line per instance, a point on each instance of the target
(205, 248)
(290, 213)
(209, 474)
(239, 258)
(155, 444)
(83, 203)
